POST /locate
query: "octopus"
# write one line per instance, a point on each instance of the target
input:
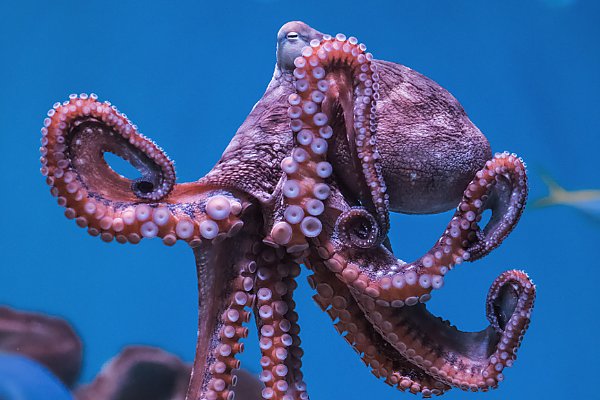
(337, 142)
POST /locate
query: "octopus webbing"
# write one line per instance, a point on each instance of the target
(338, 140)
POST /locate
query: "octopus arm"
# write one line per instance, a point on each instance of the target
(75, 137)
(325, 71)
(469, 360)
(226, 292)
(278, 328)
(385, 362)
(500, 186)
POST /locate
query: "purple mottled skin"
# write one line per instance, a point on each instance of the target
(430, 149)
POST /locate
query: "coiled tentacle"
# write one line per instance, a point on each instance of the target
(335, 298)
(75, 136)
(507, 202)
(357, 228)
(307, 169)
(380, 275)
(469, 360)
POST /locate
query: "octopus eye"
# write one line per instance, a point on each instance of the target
(292, 36)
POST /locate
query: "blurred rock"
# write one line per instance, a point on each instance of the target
(248, 386)
(149, 373)
(139, 373)
(47, 340)
(22, 378)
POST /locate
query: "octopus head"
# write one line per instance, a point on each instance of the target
(430, 149)
(291, 39)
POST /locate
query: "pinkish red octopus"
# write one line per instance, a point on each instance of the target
(338, 140)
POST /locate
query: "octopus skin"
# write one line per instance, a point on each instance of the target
(338, 140)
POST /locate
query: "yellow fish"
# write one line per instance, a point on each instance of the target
(587, 201)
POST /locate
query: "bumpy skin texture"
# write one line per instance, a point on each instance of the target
(337, 141)
(430, 149)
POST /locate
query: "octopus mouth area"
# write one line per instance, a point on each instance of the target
(498, 202)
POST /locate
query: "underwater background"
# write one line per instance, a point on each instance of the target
(188, 73)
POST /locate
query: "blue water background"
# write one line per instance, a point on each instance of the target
(188, 73)
(24, 379)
